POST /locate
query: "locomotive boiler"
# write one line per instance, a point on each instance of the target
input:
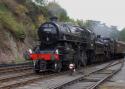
(60, 44)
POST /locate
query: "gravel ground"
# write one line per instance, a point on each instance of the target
(79, 85)
(117, 82)
(50, 83)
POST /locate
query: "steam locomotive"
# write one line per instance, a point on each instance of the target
(62, 43)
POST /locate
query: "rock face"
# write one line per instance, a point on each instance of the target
(17, 30)
(11, 50)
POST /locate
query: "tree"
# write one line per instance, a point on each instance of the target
(55, 9)
(80, 23)
(122, 34)
(114, 32)
(88, 24)
(40, 2)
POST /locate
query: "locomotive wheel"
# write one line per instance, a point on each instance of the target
(78, 64)
(37, 66)
(102, 58)
(37, 71)
(93, 57)
(83, 58)
(108, 56)
(98, 58)
(57, 66)
(77, 60)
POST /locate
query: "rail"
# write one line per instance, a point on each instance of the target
(94, 82)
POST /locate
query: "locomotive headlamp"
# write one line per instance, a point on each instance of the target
(57, 51)
(71, 66)
(30, 51)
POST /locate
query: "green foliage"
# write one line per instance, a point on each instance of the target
(88, 25)
(80, 23)
(40, 2)
(115, 33)
(19, 60)
(9, 22)
(36, 12)
(20, 9)
(2, 7)
(122, 34)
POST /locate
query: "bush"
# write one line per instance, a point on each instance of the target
(40, 19)
(9, 22)
(122, 34)
(20, 9)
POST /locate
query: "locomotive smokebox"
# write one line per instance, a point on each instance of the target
(54, 19)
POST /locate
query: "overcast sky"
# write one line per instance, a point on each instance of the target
(111, 12)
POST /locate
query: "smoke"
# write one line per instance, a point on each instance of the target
(55, 9)
(104, 30)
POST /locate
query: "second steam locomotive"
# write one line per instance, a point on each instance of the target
(62, 43)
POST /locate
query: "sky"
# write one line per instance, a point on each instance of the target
(111, 12)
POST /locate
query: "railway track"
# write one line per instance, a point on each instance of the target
(94, 79)
(21, 80)
(24, 77)
(20, 75)
(15, 68)
(47, 80)
(14, 71)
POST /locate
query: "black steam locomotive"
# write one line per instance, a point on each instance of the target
(62, 43)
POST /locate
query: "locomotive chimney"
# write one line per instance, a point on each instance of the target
(54, 19)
